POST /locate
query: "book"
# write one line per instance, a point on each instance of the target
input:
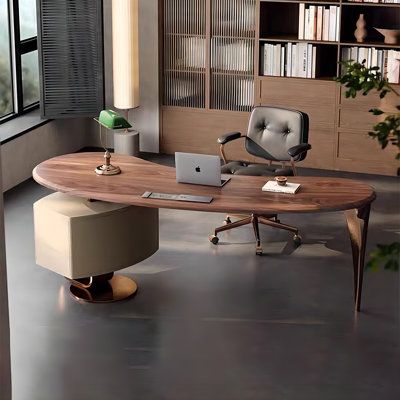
(354, 53)
(325, 25)
(380, 60)
(345, 56)
(311, 25)
(362, 54)
(302, 60)
(332, 23)
(369, 57)
(374, 57)
(306, 24)
(314, 62)
(277, 60)
(309, 60)
(337, 28)
(320, 14)
(301, 21)
(294, 60)
(289, 188)
(393, 66)
(289, 59)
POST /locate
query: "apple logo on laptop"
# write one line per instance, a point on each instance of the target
(198, 169)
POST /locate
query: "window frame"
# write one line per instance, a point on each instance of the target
(17, 49)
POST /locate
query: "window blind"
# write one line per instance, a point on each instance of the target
(70, 43)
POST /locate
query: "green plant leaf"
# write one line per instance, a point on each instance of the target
(376, 111)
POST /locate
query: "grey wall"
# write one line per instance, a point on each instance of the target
(21, 155)
(5, 369)
(145, 119)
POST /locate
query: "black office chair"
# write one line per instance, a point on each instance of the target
(278, 135)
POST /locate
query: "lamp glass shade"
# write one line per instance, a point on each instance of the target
(112, 120)
(125, 33)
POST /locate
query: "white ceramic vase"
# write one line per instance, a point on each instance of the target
(360, 33)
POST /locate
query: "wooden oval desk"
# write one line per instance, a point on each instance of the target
(74, 174)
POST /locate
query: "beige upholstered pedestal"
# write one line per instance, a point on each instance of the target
(86, 241)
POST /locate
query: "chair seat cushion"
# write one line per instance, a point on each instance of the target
(243, 168)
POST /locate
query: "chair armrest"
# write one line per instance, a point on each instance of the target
(299, 149)
(229, 137)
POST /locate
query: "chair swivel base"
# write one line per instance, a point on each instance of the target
(255, 219)
(107, 288)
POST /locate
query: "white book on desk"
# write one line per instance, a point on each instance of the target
(289, 188)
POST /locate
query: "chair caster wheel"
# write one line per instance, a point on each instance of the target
(259, 251)
(227, 221)
(297, 240)
(213, 239)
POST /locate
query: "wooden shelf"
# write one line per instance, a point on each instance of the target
(188, 71)
(371, 44)
(232, 73)
(318, 2)
(358, 4)
(295, 40)
(325, 79)
(189, 35)
(233, 37)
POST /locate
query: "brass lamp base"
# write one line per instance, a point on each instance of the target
(107, 170)
(103, 289)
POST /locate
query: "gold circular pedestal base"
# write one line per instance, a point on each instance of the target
(116, 289)
(107, 170)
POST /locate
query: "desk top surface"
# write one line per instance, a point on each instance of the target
(74, 174)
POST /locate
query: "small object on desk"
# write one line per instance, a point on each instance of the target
(289, 188)
(177, 197)
(281, 180)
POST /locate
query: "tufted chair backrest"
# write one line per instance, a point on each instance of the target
(273, 131)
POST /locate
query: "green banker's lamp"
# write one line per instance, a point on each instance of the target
(113, 121)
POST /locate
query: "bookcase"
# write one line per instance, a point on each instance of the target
(213, 73)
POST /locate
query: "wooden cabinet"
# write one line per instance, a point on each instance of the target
(356, 150)
(318, 101)
(197, 131)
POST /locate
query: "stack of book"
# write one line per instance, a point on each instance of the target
(388, 61)
(319, 23)
(290, 60)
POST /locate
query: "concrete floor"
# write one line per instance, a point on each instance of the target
(212, 322)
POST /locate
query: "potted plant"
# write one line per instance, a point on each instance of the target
(357, 78)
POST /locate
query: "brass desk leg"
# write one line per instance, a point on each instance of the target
(357, 224)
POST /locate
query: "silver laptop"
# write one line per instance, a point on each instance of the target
(199, 169)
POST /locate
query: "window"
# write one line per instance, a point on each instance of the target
(19, 71)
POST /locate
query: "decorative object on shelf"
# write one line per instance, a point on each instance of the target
(392, 36)
(110, 120)
(361, 32)
(125, 38)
